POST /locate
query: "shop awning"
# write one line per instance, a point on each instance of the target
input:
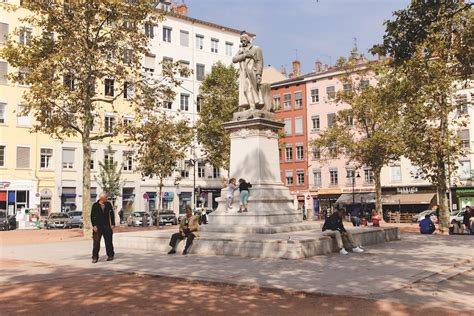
(358, 198)
(418, 198)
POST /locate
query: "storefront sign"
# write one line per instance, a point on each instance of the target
(168, 196)
(145, 196)
(407, 190)
(4, 184)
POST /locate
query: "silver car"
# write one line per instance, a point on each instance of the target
(58, 220)
(76, 219)
(139, 219)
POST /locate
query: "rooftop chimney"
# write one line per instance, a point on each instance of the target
(318, 66)
(181, 9)
(296, 68)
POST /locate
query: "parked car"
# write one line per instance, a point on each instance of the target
(7, 222)
(418, 217)
(456, 217)
(167, 217)
(58, 220)
(139, 219)
(76, 219)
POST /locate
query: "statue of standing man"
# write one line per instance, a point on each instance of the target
(250, 62)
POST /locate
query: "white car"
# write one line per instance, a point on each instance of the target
(418, 217)
(457, 217)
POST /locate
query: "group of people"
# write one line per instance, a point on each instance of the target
(243, 188)
(359, 218)
(427, 226)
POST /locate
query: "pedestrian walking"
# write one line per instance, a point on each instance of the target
(467, 220)
(231, 187)
(244, 194)
(103, 223)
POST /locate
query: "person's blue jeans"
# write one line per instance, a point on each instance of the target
(355, 221)
(244, 197)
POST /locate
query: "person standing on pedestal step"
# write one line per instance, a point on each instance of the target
(188, 229)
(334, 227)
(103, 223)
(244, 194)
(231, 187)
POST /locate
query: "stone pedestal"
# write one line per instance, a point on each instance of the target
(255, 157)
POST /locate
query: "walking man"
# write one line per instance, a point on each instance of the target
(333, 227)
(103, 223)
(188, 229)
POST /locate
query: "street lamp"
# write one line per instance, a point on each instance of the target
(353, 176)
(193, 162)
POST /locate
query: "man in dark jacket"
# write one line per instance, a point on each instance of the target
(426, 225)
(467, 220)
(103, 223)
(333, 227)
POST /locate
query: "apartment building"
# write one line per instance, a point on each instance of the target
(39, 172)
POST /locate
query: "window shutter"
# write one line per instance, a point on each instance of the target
(184, 38)
(3, 72)
(3, 32)
(23, 157)
(68, 155)
(150, 62)
(464, 134)
(298, 125)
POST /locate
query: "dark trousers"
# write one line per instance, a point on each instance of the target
(177, 237)
(109, 247)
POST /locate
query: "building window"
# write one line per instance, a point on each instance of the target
(333, 180)
(464, 170)
(279, 153)
(465, 139)
(228, 48)
(216, 173)
(462, 104)
(127, 56)
(3, 113)
(288, 127)
(68, 158)
(349, 120)
(316, 122)
(347, 87)
(167, 105)
(201, 170)
(166, 34)
(364, 83)
(331, 119)
(22, 120)
(92, 161)
(199, 42)
(184, 174)
(149, 30)
(317, 177)
(396, 173)
(200, 69)
(214, 45)
(149, 64)
(2, 156)
(289, 177)
(316, 152)
(25, 36)
(109, 87)
(276, 103)
(23, 76)
(289, 152)
(332, 148)
(298, 126)
(128, 90)
(185, 66)
(300, 177)
(3, 72)
(198, 104)
(46, 156)
(287, 101)
(299, 152)
(298, 100)
(184, 38)
(23, 157)
(314, 95)
(3, 32)
(184, 102)
(350, 176)
(128, 161)
(331, 92)
(108, 158)
(368, 176)
(109, 123)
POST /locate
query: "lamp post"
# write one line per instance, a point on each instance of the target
(353, 176)
(193, 162)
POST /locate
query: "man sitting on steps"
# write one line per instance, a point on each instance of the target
(188, 228)
(333, 227)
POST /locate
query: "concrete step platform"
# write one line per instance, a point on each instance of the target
(288, 245)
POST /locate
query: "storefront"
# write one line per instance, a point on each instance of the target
(68, 199)
(463, 197)
(45, 202)
(208, 196)
(15, 195)
(150, 197)
(185, 199)
(128, 199)
(167, 201)
(408, 199)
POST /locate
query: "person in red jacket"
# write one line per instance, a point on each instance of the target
(376, 218)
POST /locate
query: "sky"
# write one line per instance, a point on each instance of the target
(306, 29)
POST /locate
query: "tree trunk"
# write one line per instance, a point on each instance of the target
(160, 202)
(86, 185)
(443, 206)
(378, 191)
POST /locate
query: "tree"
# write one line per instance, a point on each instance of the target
(110, 175)
(367, 133)
(84, 45)
(161, 141)
(219, 100)
(430, 64)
